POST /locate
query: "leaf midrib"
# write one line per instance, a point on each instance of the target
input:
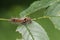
(29, 32)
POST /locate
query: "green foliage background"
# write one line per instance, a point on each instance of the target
(11, 9)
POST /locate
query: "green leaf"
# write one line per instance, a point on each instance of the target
(54, 13)
(33, 31)
(37, 5)
(56, 22)
(54, 10)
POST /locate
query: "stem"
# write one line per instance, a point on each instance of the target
(3, 19)
(40, 17)
(44, 17)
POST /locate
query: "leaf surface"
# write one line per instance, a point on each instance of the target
(33, 31)
(54, 13)
(37, 5)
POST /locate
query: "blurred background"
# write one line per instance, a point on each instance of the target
(11, 9)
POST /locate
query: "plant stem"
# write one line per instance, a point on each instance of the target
(3, 19)
(40, 17)
(44, 17)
